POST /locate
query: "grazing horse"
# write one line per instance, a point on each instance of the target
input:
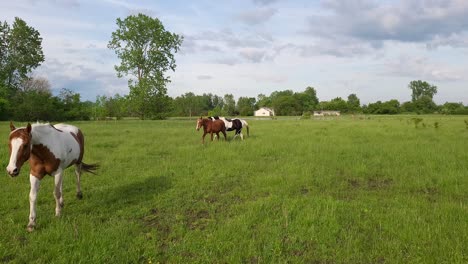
(210, 126)
(50, 150)
(233, 124)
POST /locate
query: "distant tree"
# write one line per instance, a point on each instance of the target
(285, 103)
(407, 107)
(217, 101)
(312, 99)
(229, 104)
(36, 105)
(337, 104)
(422, 89)
(246, 106)
(146, 51)
(390, 107)
(20, 53)
(453, 109)
(425, 105)
(307, 100)
(72, 106)
(263, 101)
(422, 95)
(39, 84)
(354, 104)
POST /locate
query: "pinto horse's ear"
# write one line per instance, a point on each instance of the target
(28, 128)
(12, 127)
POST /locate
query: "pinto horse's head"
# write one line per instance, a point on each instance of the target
(19, 145)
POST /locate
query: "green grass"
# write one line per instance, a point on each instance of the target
(363, 190)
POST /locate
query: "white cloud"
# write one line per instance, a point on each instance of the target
(256, 16)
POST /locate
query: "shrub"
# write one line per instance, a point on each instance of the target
(416, 121)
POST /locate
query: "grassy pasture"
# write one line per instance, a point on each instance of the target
(340, 190)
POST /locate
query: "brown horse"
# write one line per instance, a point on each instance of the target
(210, 126)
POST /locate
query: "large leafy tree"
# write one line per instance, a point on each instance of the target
(354, 104)
(246, 106)
(421, 89)
(146, 50)
(229, 104)
(20, 53)
(311, 99)
(422, 95)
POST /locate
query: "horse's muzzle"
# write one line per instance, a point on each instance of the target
(14, 172)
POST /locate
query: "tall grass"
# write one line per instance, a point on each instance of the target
(339, 190)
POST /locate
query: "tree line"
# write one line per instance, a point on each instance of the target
(146, 51)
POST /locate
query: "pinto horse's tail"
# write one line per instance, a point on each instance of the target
(91, 168)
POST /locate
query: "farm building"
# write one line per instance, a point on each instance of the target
(326, 113)
(264, 111)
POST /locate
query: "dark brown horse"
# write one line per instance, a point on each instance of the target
(210, 126)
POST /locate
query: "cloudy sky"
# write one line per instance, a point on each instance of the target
(247, 47)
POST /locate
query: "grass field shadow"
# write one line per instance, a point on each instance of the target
(136, 193)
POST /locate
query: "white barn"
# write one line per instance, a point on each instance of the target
(264, 111)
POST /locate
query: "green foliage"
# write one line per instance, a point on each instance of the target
(285, 104)
(391, 107)
(422, 89)
(229, 104)
(246, 106)
(407, 107)
(416, 121)
(353, 103)
(146, 51)
(337, 104)
(263, 101)
(425, 105)
(421, 97)
(453, 109)
(20, 53)
(306, 115)
(307, 100)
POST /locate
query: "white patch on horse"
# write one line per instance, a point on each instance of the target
(226, 123)
(15, 146)
(60, 143)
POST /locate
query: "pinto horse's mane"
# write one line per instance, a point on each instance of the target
(37, 125)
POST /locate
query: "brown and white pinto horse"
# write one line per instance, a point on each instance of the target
(233, 124)
(50, 150)
(210, 126)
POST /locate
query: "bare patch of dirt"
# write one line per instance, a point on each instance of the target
(376, 184)
(197, 219)
(354, 183)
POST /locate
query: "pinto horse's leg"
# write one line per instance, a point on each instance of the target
(35, 183)
(211, 136)
(58, 177)
(79, 195)
(224, 133)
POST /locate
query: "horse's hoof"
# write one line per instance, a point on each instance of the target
(79, 195)
(30, 228)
